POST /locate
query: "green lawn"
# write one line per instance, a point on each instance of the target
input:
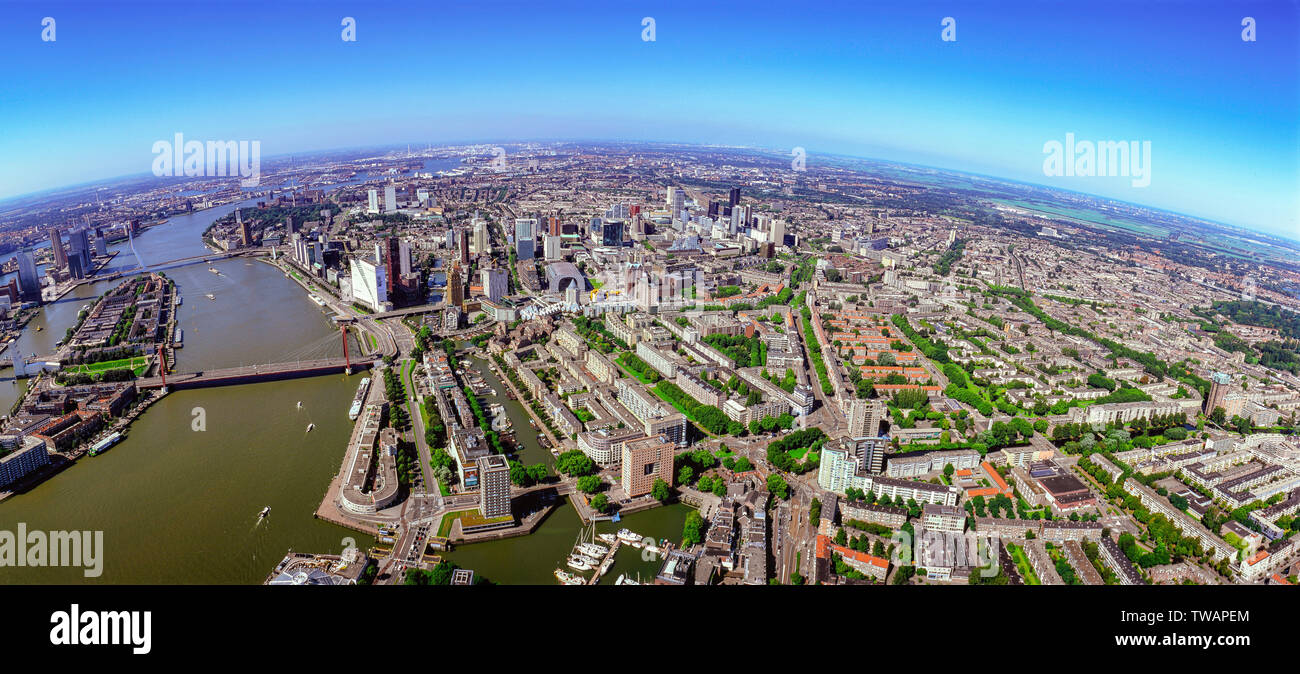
(444, 529)
(138, 364)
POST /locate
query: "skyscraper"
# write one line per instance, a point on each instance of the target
(612, 233)
(462, 242)
(864, 418)
(29, 283)
(393, 266)
(1219, 383)
(480, 237)
(79, 248)
(56, 242)
(494, 283)
(493, 486)
(455, 288)
(525, 233)
(245, 232)
(390, 198)
(734, 197)
(552, 248)
(373, 206)
(369, 286)
(644, 461)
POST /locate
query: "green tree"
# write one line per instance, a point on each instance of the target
(589, 484)
(693, 530)
(660, 491)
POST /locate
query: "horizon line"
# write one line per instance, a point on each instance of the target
(428, 145)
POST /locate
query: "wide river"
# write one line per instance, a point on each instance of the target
(179, 505)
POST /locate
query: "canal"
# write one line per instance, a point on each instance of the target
(529, 450)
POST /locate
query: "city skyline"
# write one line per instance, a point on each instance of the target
(884, 86)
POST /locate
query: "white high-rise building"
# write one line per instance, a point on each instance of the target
(777, 235)
(369, 283)
(373, 206)
(480, 237)
(552, 248)
(390, 198)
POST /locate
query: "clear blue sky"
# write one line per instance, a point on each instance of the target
(860, 78)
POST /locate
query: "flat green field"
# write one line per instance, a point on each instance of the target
(137, 364)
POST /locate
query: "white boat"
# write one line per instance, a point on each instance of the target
(265, 511)
(604, 567)
(310, 427)
(299, 404)
(608, 538)
(567, 578)
(214, 271)
(577, 564)
(624, 580)
(593, 549)
(629, 536)
(586, 559)
(211, 296)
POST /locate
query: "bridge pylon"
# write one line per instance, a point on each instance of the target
(347, 362)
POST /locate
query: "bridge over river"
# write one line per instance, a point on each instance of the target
(253, 373)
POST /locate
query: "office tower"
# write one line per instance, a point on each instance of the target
(75, 270)
(494, 486)
(864, 418)
(451, 239)
(79, 248)
(290, 226)
(552, 249)
(29, 282)
(392, 265)
(734, 197)
(101, 244)
(777, 233)
(480, 237)
(554, 227)
(644, 461)
(612, 233)
(369, 285)
(525, 233)
(714, 209)
(462, 240)
(245, 232)
(670, 200)
(404, 258)
(1219, 383)
(56, 242)
(494, 283)
(373, 206)
(455, 288)
(390, 198)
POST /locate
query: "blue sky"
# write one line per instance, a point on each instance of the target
(859, 78)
